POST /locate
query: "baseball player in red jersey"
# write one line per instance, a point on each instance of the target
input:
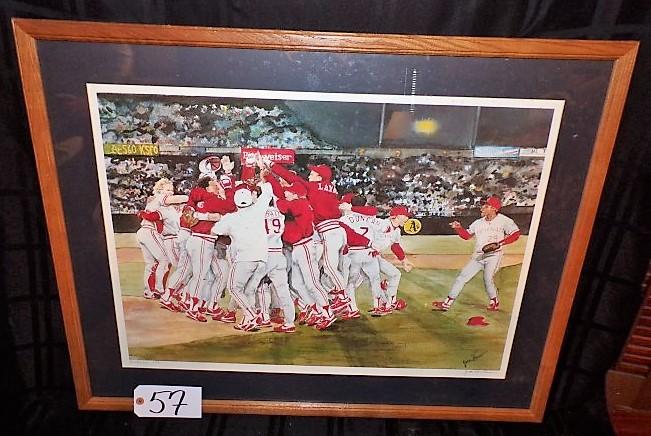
(299, 231)
(492, 231)
(201, 248)
(179, 278)
(322, 196)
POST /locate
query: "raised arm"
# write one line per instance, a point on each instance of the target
(284, 173)
(461, 231)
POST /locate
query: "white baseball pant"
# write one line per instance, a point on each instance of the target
(393, 275)
(242, 284)
(361, 261)
(156, 261)
(490, 263)
(277, 273)
(305, 275)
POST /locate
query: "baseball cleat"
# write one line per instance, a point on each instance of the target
(215, 311)
(325, 323)
(339, 305)
(249, 326)
(443, 306)
(381, 311)
(493, 305)
(277, 320)
(276, 312)
(313, 319)
(169, 305)
(400, 304)
(227, 317)
(351, 315)
(440, 306)
(264, 323)
(285, 329)
(196, 315)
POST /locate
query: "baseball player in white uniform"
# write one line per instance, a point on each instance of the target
(277, 272)
(249, 249)
(389, 238)
(150, 238)
(492, 231)
(363, 259)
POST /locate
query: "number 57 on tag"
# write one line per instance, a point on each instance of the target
(167, 401)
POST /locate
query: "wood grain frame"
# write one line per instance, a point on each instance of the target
(29, 32)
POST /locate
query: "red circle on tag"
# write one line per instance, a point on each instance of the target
(140, 401)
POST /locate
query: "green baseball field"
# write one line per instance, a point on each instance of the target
(414, 338)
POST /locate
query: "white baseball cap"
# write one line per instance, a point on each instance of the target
(243, 197)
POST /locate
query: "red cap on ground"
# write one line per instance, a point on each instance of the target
(399, 210)
(477, 321)
(323, 170)
(298, 189)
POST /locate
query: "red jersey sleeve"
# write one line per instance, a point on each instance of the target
(398, 251)
(463, 233)
(275, 186)
(284, 173)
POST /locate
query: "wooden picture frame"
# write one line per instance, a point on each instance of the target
(590, 77)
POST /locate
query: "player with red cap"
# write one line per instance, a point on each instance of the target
(492, 231)
(299, 232)
(323, 198)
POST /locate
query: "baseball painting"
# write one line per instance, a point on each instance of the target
(320, 233)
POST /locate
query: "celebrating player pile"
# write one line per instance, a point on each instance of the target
(288, 250)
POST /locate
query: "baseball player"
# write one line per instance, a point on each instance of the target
(277, 271)
(492, 231)
(387, 236)
(299, 232)
(150, 240)
(201, 249)
(323, 198)
(363, 259)
(249, 249)
(390, 239)
(179, 278)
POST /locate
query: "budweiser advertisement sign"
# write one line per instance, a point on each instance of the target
(277, 155)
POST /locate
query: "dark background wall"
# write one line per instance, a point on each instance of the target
(36, 380)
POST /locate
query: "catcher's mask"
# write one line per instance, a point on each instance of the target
(243, 198)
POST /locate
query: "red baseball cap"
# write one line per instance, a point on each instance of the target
(399, 210)
(477, 321)
(494, 202)
(323, 170)
(298, 189)
(347, 198)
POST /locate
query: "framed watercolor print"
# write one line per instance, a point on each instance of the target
(319, 223)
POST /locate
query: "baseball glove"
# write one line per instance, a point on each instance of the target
(489, 248)
(187, 217)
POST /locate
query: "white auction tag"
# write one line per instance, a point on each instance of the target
(167, 401)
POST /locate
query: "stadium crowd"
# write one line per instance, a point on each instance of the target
(427, 185)
(126, 119)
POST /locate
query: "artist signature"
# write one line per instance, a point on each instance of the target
(476, 355)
